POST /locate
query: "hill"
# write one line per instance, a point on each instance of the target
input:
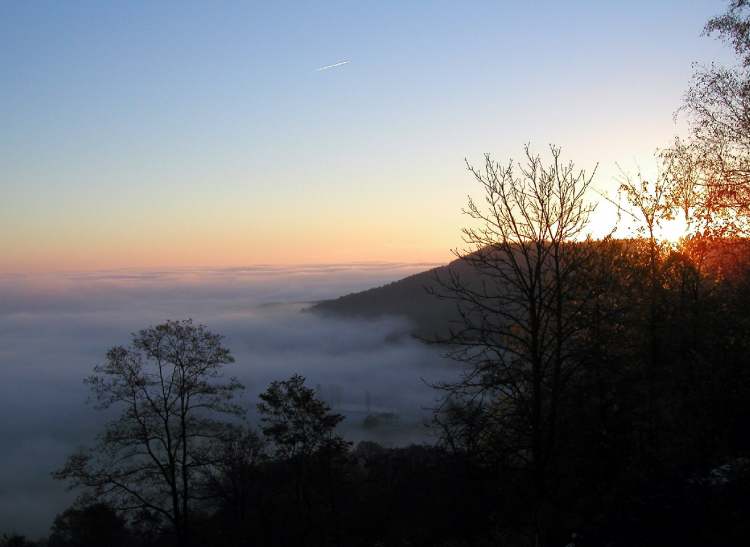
(408, 298)
(716, 258)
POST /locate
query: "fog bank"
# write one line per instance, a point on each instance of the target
(54, 328)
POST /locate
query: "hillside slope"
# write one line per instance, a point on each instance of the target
(407, 298)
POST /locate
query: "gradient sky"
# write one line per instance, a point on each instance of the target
(200, 134)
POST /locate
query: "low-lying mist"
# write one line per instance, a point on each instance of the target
(55, 328)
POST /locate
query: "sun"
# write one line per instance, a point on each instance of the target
(673, 230)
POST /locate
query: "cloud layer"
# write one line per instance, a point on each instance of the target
(55, 328)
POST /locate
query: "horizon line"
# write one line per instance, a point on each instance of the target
(268, 266)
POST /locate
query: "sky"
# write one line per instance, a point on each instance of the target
(187, 134)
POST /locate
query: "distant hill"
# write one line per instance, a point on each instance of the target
(407, 298)
(725, 258)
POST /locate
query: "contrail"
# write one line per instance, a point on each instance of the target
(334, 65)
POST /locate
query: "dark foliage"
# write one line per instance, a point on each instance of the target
(90, 526)
(652, 438)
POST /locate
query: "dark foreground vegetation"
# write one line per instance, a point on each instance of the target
(604, 395)
(650, 444)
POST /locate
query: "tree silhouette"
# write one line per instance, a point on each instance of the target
(168, 390)
(295, 420)
(90, 526)
(301, 428)
(718, 107)
(520, 310)
(16, 540)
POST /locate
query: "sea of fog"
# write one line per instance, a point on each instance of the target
(55, 327)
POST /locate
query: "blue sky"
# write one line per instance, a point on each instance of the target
(193, 134)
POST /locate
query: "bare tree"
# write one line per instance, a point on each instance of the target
(518, 289)
(167, 388)
(652, 201)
